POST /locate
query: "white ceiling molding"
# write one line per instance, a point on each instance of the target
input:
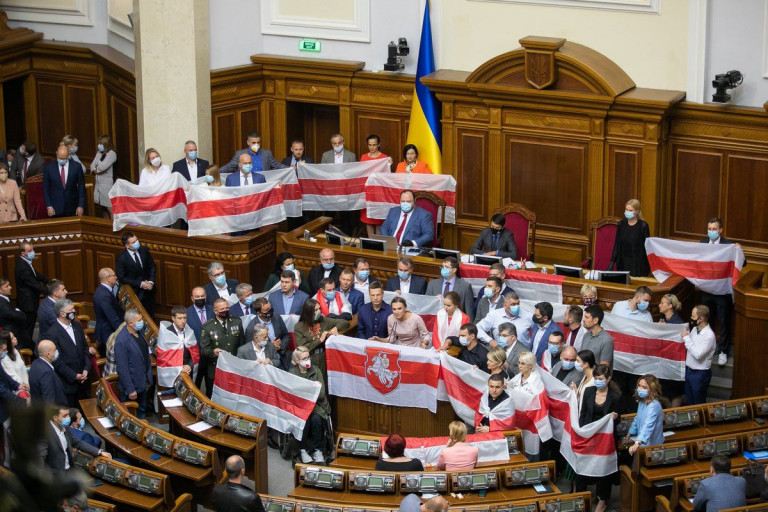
(60, 12)
(357, 28)
(638, 6)
(698, 12)
(117, 18)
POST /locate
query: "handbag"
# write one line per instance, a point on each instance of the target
(754, 474)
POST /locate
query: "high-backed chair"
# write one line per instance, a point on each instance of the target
(522, 223)
(436, 206)
(602, 236)
(35, 202)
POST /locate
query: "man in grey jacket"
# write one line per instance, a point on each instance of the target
(261, 158)
(338, 155)
(565, 369)
(260, 349)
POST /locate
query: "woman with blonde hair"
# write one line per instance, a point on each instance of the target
(496, 359)
(71, 142)
(669, 306)
(154, 170)
(629, 247)
(457, 455)
(213, 176)
(588, 294)
(648, 425)
(11, 209)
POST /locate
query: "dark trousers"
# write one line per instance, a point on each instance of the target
(696, 385)
(27, 330)
(720, 312)
(202, 370)
(141, 400)
(313, 434)
(603, 485)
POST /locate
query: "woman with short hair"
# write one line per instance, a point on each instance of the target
(394, 448)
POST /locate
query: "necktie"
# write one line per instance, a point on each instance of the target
(329, 304)
(246, 180)
(24, 171)
(495, 241)
(245, 310)
(399, 234)
(136, 259)
(446, 288)
(63, 177)
(202, 315)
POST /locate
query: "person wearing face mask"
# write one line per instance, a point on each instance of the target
(588, 294)
(197, 314)
(555, 346)
(338, 154)
(132, 358)
(629, 247)
(449, 281)
(405, 281)
(636, 308)
(63, 185)
(495, 240)
(313, 328)
(245, 298)
(276, 330)
(191, 167)
(45, 386)
(260, 349)
(154, 170)
(574, 330)
(362, 275)
(30, 287)
(77, 429)
(245, 175)
(220, 286)
(596, 339)
(57, 446)
(700, 348)
(71, 142)
(565, 369)
(472, 352)
(542, 328)
(648, 425)
(327, 269)
(492, 298)
(333, 304)
(312, 438)
(261, 158)
(285, 261)
(288, 300)
(510, 313)
(506, 338)
(449, 320)
(212, 176)
(11, 208)
(346, 289)
(136, 267)
(411, 225)
(46, 316)
(28, 163)
(74, 360)
(223, 332)
(499, 271)
(107, 307)
(102, 168)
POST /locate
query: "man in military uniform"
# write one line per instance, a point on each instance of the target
(222, 332)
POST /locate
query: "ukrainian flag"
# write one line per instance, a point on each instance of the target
(424, 129)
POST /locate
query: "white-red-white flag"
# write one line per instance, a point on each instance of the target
(491, 447)
(170, 353)
(382, 192)
(261, 390)
(529, 285)
(217, 210)
(337, 187)
(290, 189)
(713, 268)
(382, 373)
(463, 385)
(159, 204)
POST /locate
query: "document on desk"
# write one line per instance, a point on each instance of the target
(106, 423)
(199, 426)
(174, 402)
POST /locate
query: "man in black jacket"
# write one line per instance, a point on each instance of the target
(327, 268)
(30, 286)
(57, 445)
(74, 354)
(234, 496)
(11, 319)
(191, 167)
(136, 267)
(495, 240)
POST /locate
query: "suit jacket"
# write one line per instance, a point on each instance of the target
(128, 272)
(720, 492)
(180, 167)
(613, 403)
(193, 319)
(247, 352)
(328, 157)
(233, 180)
(236, 309)
(134, 369)
(46, 315)
(418, 285)
(44, 384)
(572, 377)
(211, 294)
(552, 327)
(109, 316)
(365, 321)
(53, 455)
(420, 227)
(513, 354)
(723, 241)
(64, 200)
(463, 288)
(11, 319)
(483, 306)
(276, 299)
(281, 331)
(231, 497)
(268, 161)
(73, 358)
(34, 168)
(8, 388)
(30, 286)
(355, 298)
(316, 274)
(287, 160)
(506, 246)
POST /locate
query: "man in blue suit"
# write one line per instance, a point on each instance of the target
(372, 317)
(409, 224)
(288, 300)
(44, 383)
(64, 185)
(345, 288)
(46, 316)
(198, 314)
(190, 166)
(721, 490)
(220, 286)
(245, 175)
(109, 315)
(542, 327)
(134, 368)
(261, 158)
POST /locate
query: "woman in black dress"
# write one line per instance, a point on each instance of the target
(394, 447)
(669, 306)
(629, 247)
(601, 399)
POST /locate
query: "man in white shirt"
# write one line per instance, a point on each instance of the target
(635, 308)
(259, 349)
(509, 313)
(700, 346)
(362, 275)
(405, 281)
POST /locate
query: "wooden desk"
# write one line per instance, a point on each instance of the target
(362, 463)
(128, 497)
(735, 427)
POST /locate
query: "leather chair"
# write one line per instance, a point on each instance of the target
(522, 223)
(602, 236)
(436, 206)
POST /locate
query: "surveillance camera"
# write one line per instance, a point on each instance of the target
(724, 82)
(394, 52)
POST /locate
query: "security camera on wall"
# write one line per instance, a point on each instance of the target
(395, 52)
(724, 82)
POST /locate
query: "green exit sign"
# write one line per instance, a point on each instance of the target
(309, 45)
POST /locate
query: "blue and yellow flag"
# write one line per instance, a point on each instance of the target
(424, 129)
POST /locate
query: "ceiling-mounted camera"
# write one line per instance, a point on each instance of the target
(395, 51)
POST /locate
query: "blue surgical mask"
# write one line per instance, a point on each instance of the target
(445, 272)
(192, 155)
(330, 295)
(514, 310)
(406, 206)
(713, 235)
(66, 422)
(73, 150)
(208, 178)
(553, 349)
(642, 393)
(221, 279)
(487, 292)
(579, 368)
(629, 215)
(248, 300)
(55, 356)
(338, 148)
(403, 275)
(82, 423)
(135, 245)
(290, 267)
(3, 355)
(501, 340)
(363, 275)
(31, 255)
(100, 147)
(328, 266)
(247, 168)
(600, 384)
(139, 325)
(62, 161)
(642, 305)
(568, 365)
(464, 341)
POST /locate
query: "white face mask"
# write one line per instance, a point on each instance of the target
(255, 147)
(156, 161)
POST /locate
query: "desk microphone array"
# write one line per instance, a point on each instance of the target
(147, 482)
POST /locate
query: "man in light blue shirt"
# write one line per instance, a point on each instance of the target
(509, 313)
(635, 308)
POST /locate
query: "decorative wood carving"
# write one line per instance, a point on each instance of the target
(15, 36)
(540, 69)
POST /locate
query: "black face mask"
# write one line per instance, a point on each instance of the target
(268, 314)
(200, 303)
(224, 314)
(495, 231)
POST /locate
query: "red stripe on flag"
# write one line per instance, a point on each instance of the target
(505, 424)
(264, 393)
(694, 268)
(599, 444)
(382, 194)
(170, 358)
(165, 201)
(291, 191)
(427, 442)
(335, 187)
(233, 206)
(463, 392)
(194, 351)
(354, 364)
(639, 346)
(470, 270)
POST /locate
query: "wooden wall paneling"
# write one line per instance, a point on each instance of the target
(31, 108)
(104, 259)
(622, 178)
(389, 127)
(81, 104)
(71, 269)
(472, 174)
(173, 275)
(51, 116)
(225, 141)
(250, 121)
(696, 189)
(123, 130)
(746, 181)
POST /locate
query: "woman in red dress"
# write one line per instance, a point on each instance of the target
(374, 143)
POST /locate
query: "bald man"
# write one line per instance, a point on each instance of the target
(64, 185)
(245, 174)
(45, 386)
(565, 369)
(412, 503)
(233, 496)
(108, 313)
(327, 268)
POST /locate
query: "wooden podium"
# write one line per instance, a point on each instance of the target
(750, 357)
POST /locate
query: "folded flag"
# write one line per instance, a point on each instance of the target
(491, 447)
(159, 204)
(382, 192)
(337, 187)
(462, 385)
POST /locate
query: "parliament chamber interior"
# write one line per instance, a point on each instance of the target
(298, 256)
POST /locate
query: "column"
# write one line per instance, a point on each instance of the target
(173, 76)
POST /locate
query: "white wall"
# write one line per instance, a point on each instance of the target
(235, 32)
(736, 39)
(94, 33)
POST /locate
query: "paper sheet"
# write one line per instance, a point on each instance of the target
(174, 402)
(200, 426)
(106, 423)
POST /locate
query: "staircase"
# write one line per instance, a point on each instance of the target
(722, 381)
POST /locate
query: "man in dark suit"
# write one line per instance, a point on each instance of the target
(56, 448)
(245, 174)
(198, 314)
(46, 316)
(259, 348)
(278, 332)
(64, 185)
(136, 268)
(288, 300)
(261, 158)
(542, 327)
(220, 286)
(327, 268)
(11, 319)
(234, 496)
(44, 383)
(28, 163)
(496, 270)
(410, 225)
(30, 286)
(297, 155)
(347, 290)
(449, 282)
(190, 166)
(74, 355)
(134, 366)
(245, 298)
(109, 315)
(406, 282)
(372, 317)
(495, 240)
